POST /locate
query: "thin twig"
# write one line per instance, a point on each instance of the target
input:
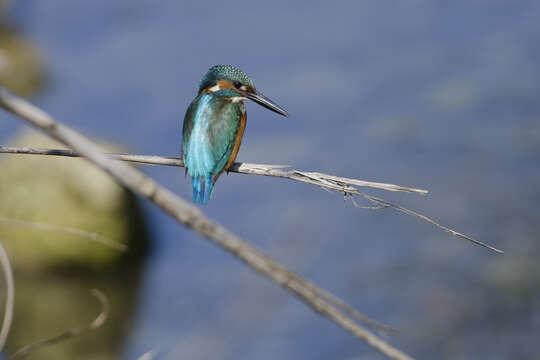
(96, 323)
(386, 203)
(67, 230)
(189, 215)
(10, 296)
(325, 181)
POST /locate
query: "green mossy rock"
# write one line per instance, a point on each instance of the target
(67, 193)
(21, 69)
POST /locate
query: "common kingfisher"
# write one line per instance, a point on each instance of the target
(214, 125)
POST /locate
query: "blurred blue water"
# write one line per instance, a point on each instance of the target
(437, 95)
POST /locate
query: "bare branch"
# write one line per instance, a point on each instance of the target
(319, 179)
(96, 323)
(10, 296)
(189, 215)
(325, 181)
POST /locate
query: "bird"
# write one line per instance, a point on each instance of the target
(214, 125)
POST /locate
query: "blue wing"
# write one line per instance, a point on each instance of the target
(210, 128)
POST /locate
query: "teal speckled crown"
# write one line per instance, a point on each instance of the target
(227, 72)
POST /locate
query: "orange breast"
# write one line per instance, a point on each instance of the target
(237, 139)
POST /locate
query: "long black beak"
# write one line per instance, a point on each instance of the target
(266, 102)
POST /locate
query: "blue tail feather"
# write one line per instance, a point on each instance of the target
(202, 188)
(208, 189)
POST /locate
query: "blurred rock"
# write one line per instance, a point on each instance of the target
(21, 70)
(55, 271)
(68, 194)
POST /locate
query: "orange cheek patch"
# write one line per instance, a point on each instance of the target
(221, 84)
(225, 84)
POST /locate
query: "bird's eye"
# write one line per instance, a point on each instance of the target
(237, 84)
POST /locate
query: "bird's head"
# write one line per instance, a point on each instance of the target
(231, 82)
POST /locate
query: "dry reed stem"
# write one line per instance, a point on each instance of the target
(320, 179)
(325, 181)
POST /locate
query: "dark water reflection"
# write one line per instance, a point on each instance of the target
(430, 94)
(49, 304)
